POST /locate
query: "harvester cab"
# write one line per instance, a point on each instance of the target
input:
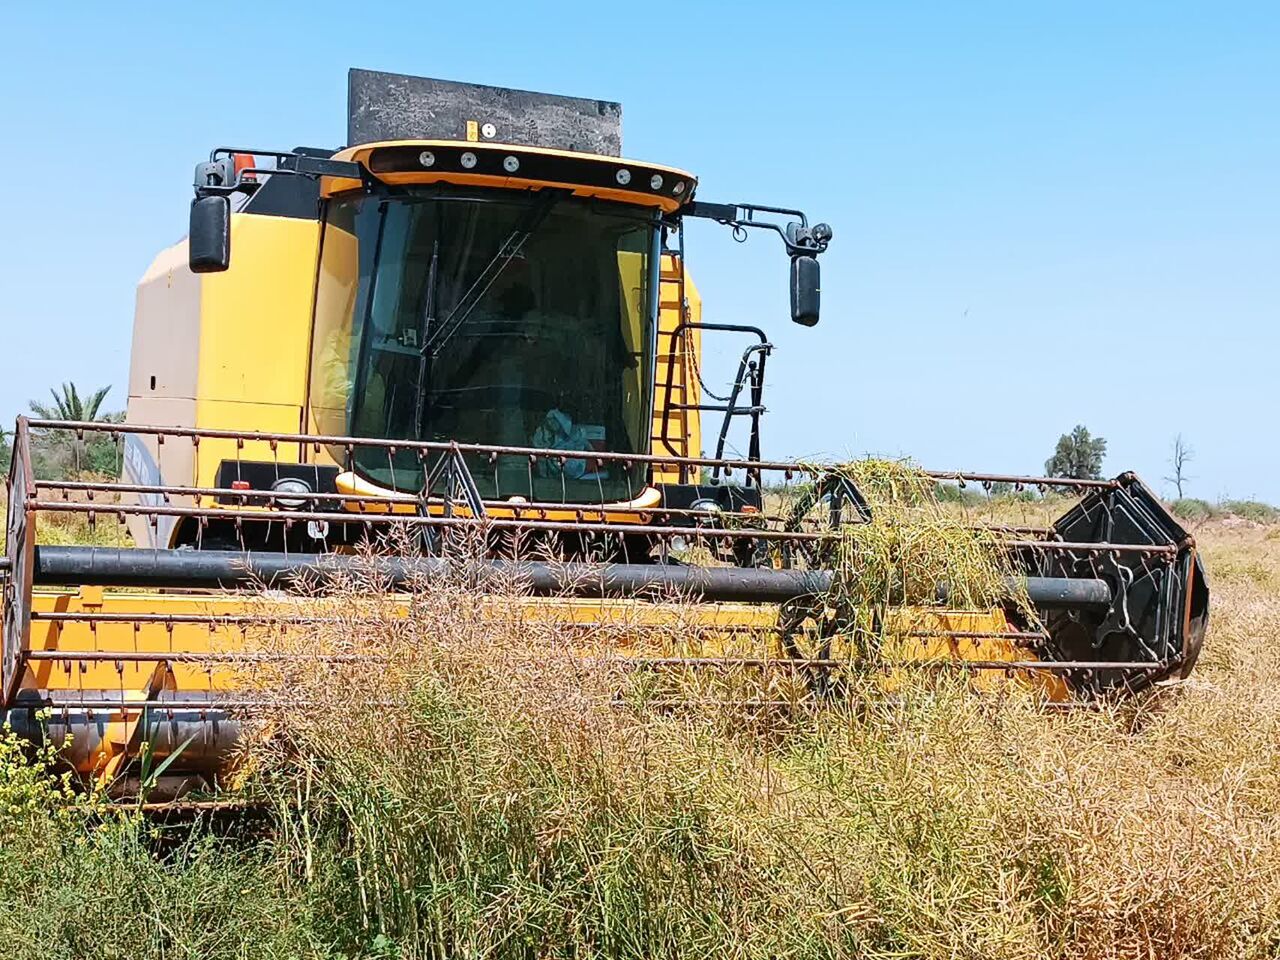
(482, 267)
(469, 344)
(491, 271)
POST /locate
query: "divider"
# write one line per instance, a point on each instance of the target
(20, 539)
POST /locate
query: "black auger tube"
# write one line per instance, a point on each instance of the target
(128, 567)
(71, 566)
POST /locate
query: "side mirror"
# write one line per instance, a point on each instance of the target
(806, 289)
(209, 239)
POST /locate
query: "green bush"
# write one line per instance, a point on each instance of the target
(80, 879)
(1194, 510)
(1253, 510)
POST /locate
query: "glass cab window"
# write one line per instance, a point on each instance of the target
(495, 317)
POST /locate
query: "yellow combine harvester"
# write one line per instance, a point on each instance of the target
(476, 324)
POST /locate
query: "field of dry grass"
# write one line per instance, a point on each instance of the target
(547, 821)
(488, 797)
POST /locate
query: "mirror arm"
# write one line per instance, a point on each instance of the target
(209, 234)
(218, 177)
(798, 237)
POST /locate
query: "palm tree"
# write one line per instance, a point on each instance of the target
(70, 405)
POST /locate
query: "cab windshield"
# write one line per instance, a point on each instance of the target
(517, 319)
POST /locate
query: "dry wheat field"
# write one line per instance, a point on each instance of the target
(488, 797)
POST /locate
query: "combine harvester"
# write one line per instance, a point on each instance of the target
(476, 324)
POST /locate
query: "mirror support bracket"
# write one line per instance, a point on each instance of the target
(803, 242)
(799, 238)
(209, 237)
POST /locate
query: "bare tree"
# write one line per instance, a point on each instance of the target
(1182, 455)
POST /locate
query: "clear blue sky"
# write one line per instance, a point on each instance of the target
(1045, 213)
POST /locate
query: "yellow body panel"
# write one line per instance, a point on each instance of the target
(131, 678)
(678, 302)
(221, 351)
(931, 636)
(255, 339)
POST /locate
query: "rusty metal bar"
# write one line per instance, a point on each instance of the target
(177, 490)
(153, 656)
(181, 807)
(1065, 546)
(780, 663)
(517, 506)
(293, 516)
(429, 446)
(211, 619)
(571, 526)
(810, 699)
(61, 707)
(539, 452)
(396, 497)
(1016, 479)
(1016, 635)
(270, 620)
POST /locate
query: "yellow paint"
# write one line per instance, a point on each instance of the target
(633, 294)
(920, 635)
(255, 340)
(680, 357)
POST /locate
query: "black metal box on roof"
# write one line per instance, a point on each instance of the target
(393, 106)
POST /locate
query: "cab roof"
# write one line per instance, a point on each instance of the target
(515, 167)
